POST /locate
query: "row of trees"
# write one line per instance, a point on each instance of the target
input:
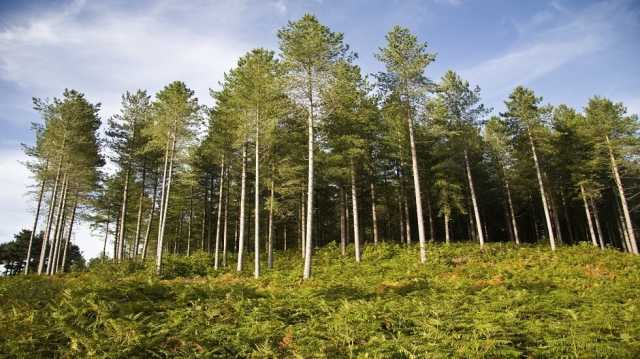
(332, 154)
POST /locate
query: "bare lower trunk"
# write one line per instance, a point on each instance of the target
(512, 213)
(597, 221)
(166, 191)
(145, 246)
(66, 243)
(566, 217)
(59, 224)
(270, 236)
(418, 195)
(447, 238)
(189, 224)
(432, 231)
(218, 229)
(303, 223)
(243, 182)
(587, 212)
(474, 201)
(556, 219)
(106, 235)
(623, 199)
(354, 205)
(256, 210)
(545, 206)
(35, 226)
(123, 217)
(136, 244)
(52, 206)
(343, 224)
(310, 182)
(374, 219)
(226, 220)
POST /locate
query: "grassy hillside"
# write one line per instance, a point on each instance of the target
(501, 302)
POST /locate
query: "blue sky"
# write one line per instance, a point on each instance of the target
(567, 51)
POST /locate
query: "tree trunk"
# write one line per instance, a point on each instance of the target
(556, 219)
(66, 243)
(566, 217)
(218, 229)
(270, 237)
(432, 231)
(123, 217)
(447, 238)
(588, 214)
(303, 222)
(310, 182)
(256, 210)
(242, 200)
(552, 239)
(136, 245)
(190, 221)
(106, 235)
(226, 220)
(145, 246)
(474, 201)
(401, 217)
(343, 224)
(597, 221)
(374, 219)
(512, 213)
(166, 190)
(416, 187)
(35, 225)
(59, 225)
(623, 199)
(354, 205)
(52, 206)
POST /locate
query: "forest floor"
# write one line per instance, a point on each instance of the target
(464, 302)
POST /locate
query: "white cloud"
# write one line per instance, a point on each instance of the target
(548, 41)
(105, 51)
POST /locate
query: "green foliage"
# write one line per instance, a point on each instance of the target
(502, 301)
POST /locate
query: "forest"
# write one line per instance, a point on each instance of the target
(392, 186)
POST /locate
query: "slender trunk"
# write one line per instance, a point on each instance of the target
(545, 206)
(512, 213)
(303, 234)
(145, 246)
(139, 218)
(59, 223)
(401, 217)
(597, 221)
(270, 236)
(592, 234)
(623, 199)
(474, 201)
(163, 194)
(190, 220)
(623, 231)
(226, 220)
(310, 182)
(165, 203)
(106, 235)
(123, 216)
(59, 242)
(52, 206)
(374, 219)
(243, 182)
(204, 214)
(210, 215)
(256, 210)
(66, 243)
(416, 187)
(217, 244)
(343, 220)
(447, 238)
(432, 231)
(556, 219)
(35, 226)
(566, 217)
(407, 222)
(354, 205)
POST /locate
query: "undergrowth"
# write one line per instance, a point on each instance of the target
(464, 302)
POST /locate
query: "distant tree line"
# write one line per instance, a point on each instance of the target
(329, 154)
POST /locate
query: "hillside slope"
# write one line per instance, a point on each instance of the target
(500, 302)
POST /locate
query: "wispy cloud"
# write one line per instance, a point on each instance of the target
(548, 41)
(106, 50)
